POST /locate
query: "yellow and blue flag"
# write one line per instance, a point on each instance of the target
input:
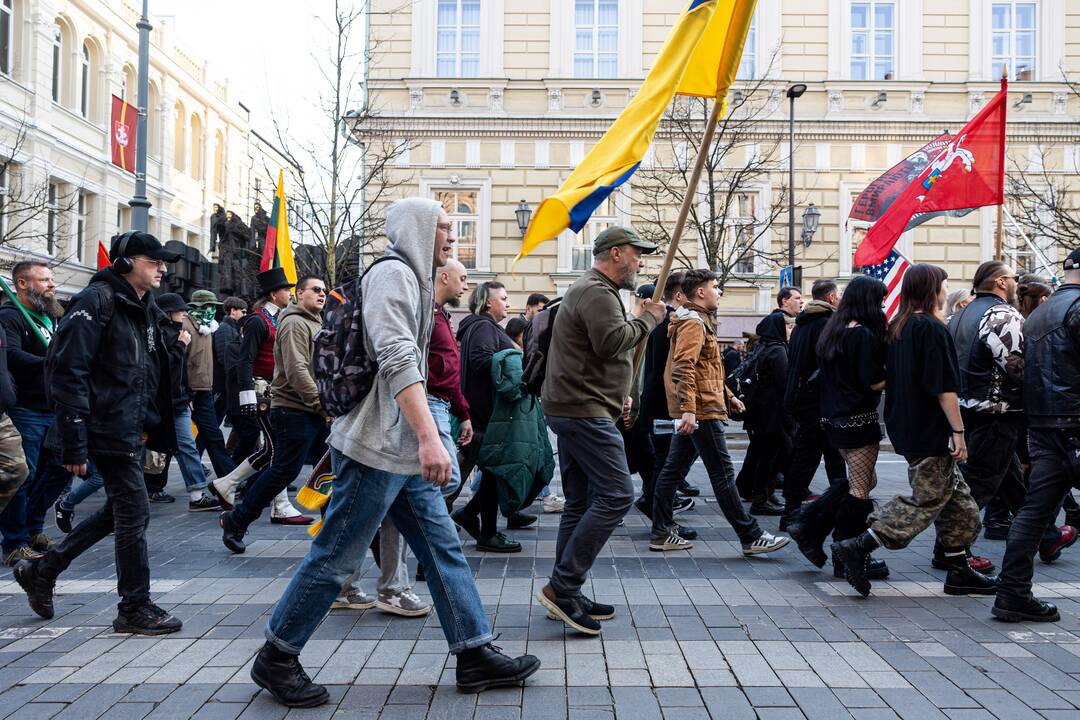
(699, 57)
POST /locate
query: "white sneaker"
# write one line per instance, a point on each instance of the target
(405, 603)
(553, 504)
(354, 599)
(767, 543)
(674, 541)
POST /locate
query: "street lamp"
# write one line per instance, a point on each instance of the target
(524, 214)
(795, 91)
(810, 217)
(140, 205)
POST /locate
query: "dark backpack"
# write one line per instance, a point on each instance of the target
(344, 372)
(537, 344)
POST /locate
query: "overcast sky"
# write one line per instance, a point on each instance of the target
(263, 48)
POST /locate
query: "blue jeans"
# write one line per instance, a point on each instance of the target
(45, 479)
(295, 432)
(210, 438)
(84, 488)
(362, 497)
(440, 411)
(187, 454)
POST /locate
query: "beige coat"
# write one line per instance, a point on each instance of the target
(200, 358)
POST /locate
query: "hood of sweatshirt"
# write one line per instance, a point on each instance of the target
(689, 311)
(773, 328)
(471, 319)
(295, 309)
(814, 310)
(410, 231)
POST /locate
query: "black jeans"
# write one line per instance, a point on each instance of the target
(772, 453)
(991, 468)
(295, 432)
(599, 492)
(1055, 469)
(126, 513)
(659, 446)
(710, 443)
(210, 438)
(807, 448)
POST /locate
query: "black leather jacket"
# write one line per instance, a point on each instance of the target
(1052, 369)
(981, 379)
(108, 375)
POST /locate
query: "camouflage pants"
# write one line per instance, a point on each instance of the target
(939, 497)
(12, 461)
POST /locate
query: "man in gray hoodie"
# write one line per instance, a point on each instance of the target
(389, 460)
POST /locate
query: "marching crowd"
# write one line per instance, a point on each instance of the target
(981, 397)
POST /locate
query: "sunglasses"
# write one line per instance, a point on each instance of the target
(317, 290)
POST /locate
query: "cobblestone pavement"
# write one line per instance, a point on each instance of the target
(698, 635)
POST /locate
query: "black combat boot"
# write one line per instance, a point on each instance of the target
(853, 553)
(281, 674)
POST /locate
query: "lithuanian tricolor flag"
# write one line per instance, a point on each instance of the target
(277, 252)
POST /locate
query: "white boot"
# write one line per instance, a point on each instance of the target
(282, 508)
(225, 487)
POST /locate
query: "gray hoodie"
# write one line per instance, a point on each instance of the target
(398, 320)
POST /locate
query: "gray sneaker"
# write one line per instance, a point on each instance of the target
(354, 599)
(405, 603)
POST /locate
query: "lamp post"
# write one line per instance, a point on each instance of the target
(810, 218)
(140, 206)
(795, 91)
(523, 214)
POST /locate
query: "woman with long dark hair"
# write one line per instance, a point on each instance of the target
(922, 415)
(851, 360)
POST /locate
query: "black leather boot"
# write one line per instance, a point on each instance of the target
(875, 569)
(487, 667)
(1031, 610)
(851, 518)
(282, 676)
(962, 580)
(813, 523)
(853, 553)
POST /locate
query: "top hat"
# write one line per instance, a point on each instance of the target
(272, 279)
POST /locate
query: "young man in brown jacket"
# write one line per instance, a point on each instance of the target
(201, 324)
(698, 401)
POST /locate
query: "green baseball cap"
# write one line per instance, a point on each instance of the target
(615, 236)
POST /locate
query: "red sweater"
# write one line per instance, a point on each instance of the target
(444, 366)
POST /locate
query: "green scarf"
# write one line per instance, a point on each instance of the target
(202, 315)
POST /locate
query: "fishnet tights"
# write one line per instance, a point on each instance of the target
(861, 469)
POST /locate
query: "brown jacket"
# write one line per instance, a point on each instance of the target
(294, 378)
(200, 358)
(695, 370)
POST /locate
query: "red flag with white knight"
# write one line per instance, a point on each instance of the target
(122, 134)
(968, 172)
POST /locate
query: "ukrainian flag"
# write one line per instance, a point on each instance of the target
(699, 57)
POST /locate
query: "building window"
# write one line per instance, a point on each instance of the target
(219, 162)
(57, 57)
(196, 147)
(84, 82)
(180, 138)
(596, 38)
(1013, 39)
(7, 39)
(81, 210)
(457, 52)
(741, 235)
(873, 34)
(464, 210)
(748, 63)
(53, 212)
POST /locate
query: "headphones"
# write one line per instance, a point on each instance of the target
(123, 264)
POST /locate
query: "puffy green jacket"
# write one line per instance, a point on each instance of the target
(515, 447)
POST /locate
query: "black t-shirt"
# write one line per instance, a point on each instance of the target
(847, 377)
(920, 366)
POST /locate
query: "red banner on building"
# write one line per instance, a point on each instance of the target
(122, 134)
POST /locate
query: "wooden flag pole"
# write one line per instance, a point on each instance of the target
(684, 212)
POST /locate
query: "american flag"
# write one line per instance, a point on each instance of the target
(891, 272)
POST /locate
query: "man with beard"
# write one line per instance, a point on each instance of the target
(29, 327)
(586, 390)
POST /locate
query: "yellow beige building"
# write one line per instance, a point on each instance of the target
(61, 61)
(491, 102)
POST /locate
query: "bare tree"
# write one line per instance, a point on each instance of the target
(33, 215)
(726, 219)
(341, 182)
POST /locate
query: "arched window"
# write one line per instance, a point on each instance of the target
(219, 162)
(153, 122)
(180, 138)
(85, 81)
(7, 35)
(129, 91)
(196, 147)
(57, 60)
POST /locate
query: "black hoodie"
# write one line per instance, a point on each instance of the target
(803, 388)
(108, 375)
(480, 338)
(766, 415)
